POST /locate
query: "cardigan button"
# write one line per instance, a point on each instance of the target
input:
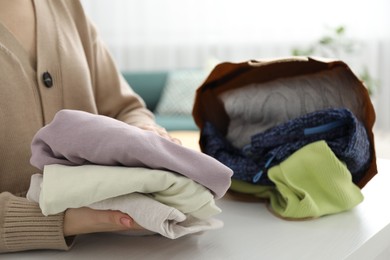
(47, 79)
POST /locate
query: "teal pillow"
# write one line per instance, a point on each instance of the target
(176, 123)
(148, 84)
(179, 92)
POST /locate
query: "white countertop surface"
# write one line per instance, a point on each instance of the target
(252, 232)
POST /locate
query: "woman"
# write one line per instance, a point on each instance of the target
(51, 58)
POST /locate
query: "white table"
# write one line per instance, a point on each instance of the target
(252, 232)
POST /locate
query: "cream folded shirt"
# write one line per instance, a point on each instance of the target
(171, 204)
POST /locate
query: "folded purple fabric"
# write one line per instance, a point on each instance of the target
(77, 138)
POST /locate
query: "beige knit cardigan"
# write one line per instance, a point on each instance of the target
(84, 77)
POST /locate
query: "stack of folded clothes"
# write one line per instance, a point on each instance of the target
(99, 162)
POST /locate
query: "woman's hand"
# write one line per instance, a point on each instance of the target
(86, 220)
(160, 131)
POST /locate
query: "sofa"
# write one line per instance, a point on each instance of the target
(169, 95)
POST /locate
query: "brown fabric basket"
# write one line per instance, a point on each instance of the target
(228, 76)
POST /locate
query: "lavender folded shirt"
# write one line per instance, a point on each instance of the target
(78, 138)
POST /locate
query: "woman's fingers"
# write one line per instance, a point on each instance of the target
(86, 220)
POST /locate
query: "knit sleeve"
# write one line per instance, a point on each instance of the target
(24, 227)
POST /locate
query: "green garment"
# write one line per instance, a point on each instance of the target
(312, 182)
(87, 184)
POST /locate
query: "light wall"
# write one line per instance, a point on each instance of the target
(177, 34)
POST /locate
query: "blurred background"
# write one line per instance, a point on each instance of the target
(152, 35)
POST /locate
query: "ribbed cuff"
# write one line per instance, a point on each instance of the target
(24, 227)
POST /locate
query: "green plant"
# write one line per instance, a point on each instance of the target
(336, 44)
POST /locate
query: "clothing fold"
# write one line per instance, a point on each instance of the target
(154, 216)
(310, 183)
(344, 134)
(98, 162)
(78, 138)
(77, 186)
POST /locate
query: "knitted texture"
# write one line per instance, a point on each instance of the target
(345, 135)
(25, 228)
